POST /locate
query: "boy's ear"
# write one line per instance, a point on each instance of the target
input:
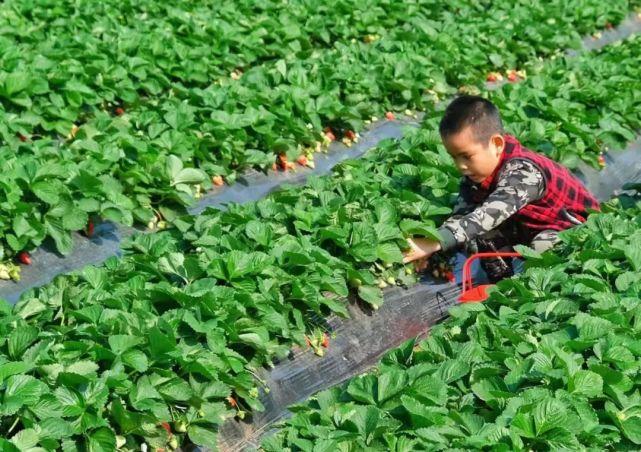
(498, 143)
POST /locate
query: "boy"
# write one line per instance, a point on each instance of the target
(509, 195)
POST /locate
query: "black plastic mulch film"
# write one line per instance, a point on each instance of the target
(359, 341)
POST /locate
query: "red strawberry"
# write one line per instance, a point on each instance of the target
(390, 116)
(302, 160)
(22, 138)
(119, 111)
(232, 401)
(601, 160)
(491, 77)
(512, 76)
(282, 162)
(90, 228)
(325, 342)
(218, 181)
(166, 426)
(24, 258)
(350, 135)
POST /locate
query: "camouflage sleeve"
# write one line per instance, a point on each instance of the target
(462, 207)
(463, 204)
(519, 184)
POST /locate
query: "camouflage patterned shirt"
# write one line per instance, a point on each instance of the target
(519, 183)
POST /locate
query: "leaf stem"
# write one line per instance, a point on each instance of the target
(13, 425)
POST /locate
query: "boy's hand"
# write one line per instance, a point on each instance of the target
(420, 248)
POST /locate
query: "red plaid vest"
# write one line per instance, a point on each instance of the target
(562, 191)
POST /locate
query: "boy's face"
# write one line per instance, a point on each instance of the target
(474, 159)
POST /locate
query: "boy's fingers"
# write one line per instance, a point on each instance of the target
(420, 249)
(409, 257)
(413, 255)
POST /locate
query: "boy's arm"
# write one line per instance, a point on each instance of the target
(519, 184)
(463, 205)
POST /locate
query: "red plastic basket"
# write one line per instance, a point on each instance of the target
(479, 293)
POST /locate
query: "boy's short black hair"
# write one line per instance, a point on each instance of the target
(475, 111)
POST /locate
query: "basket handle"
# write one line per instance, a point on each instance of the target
(467, 267)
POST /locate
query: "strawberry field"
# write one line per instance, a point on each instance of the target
(130, 112)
